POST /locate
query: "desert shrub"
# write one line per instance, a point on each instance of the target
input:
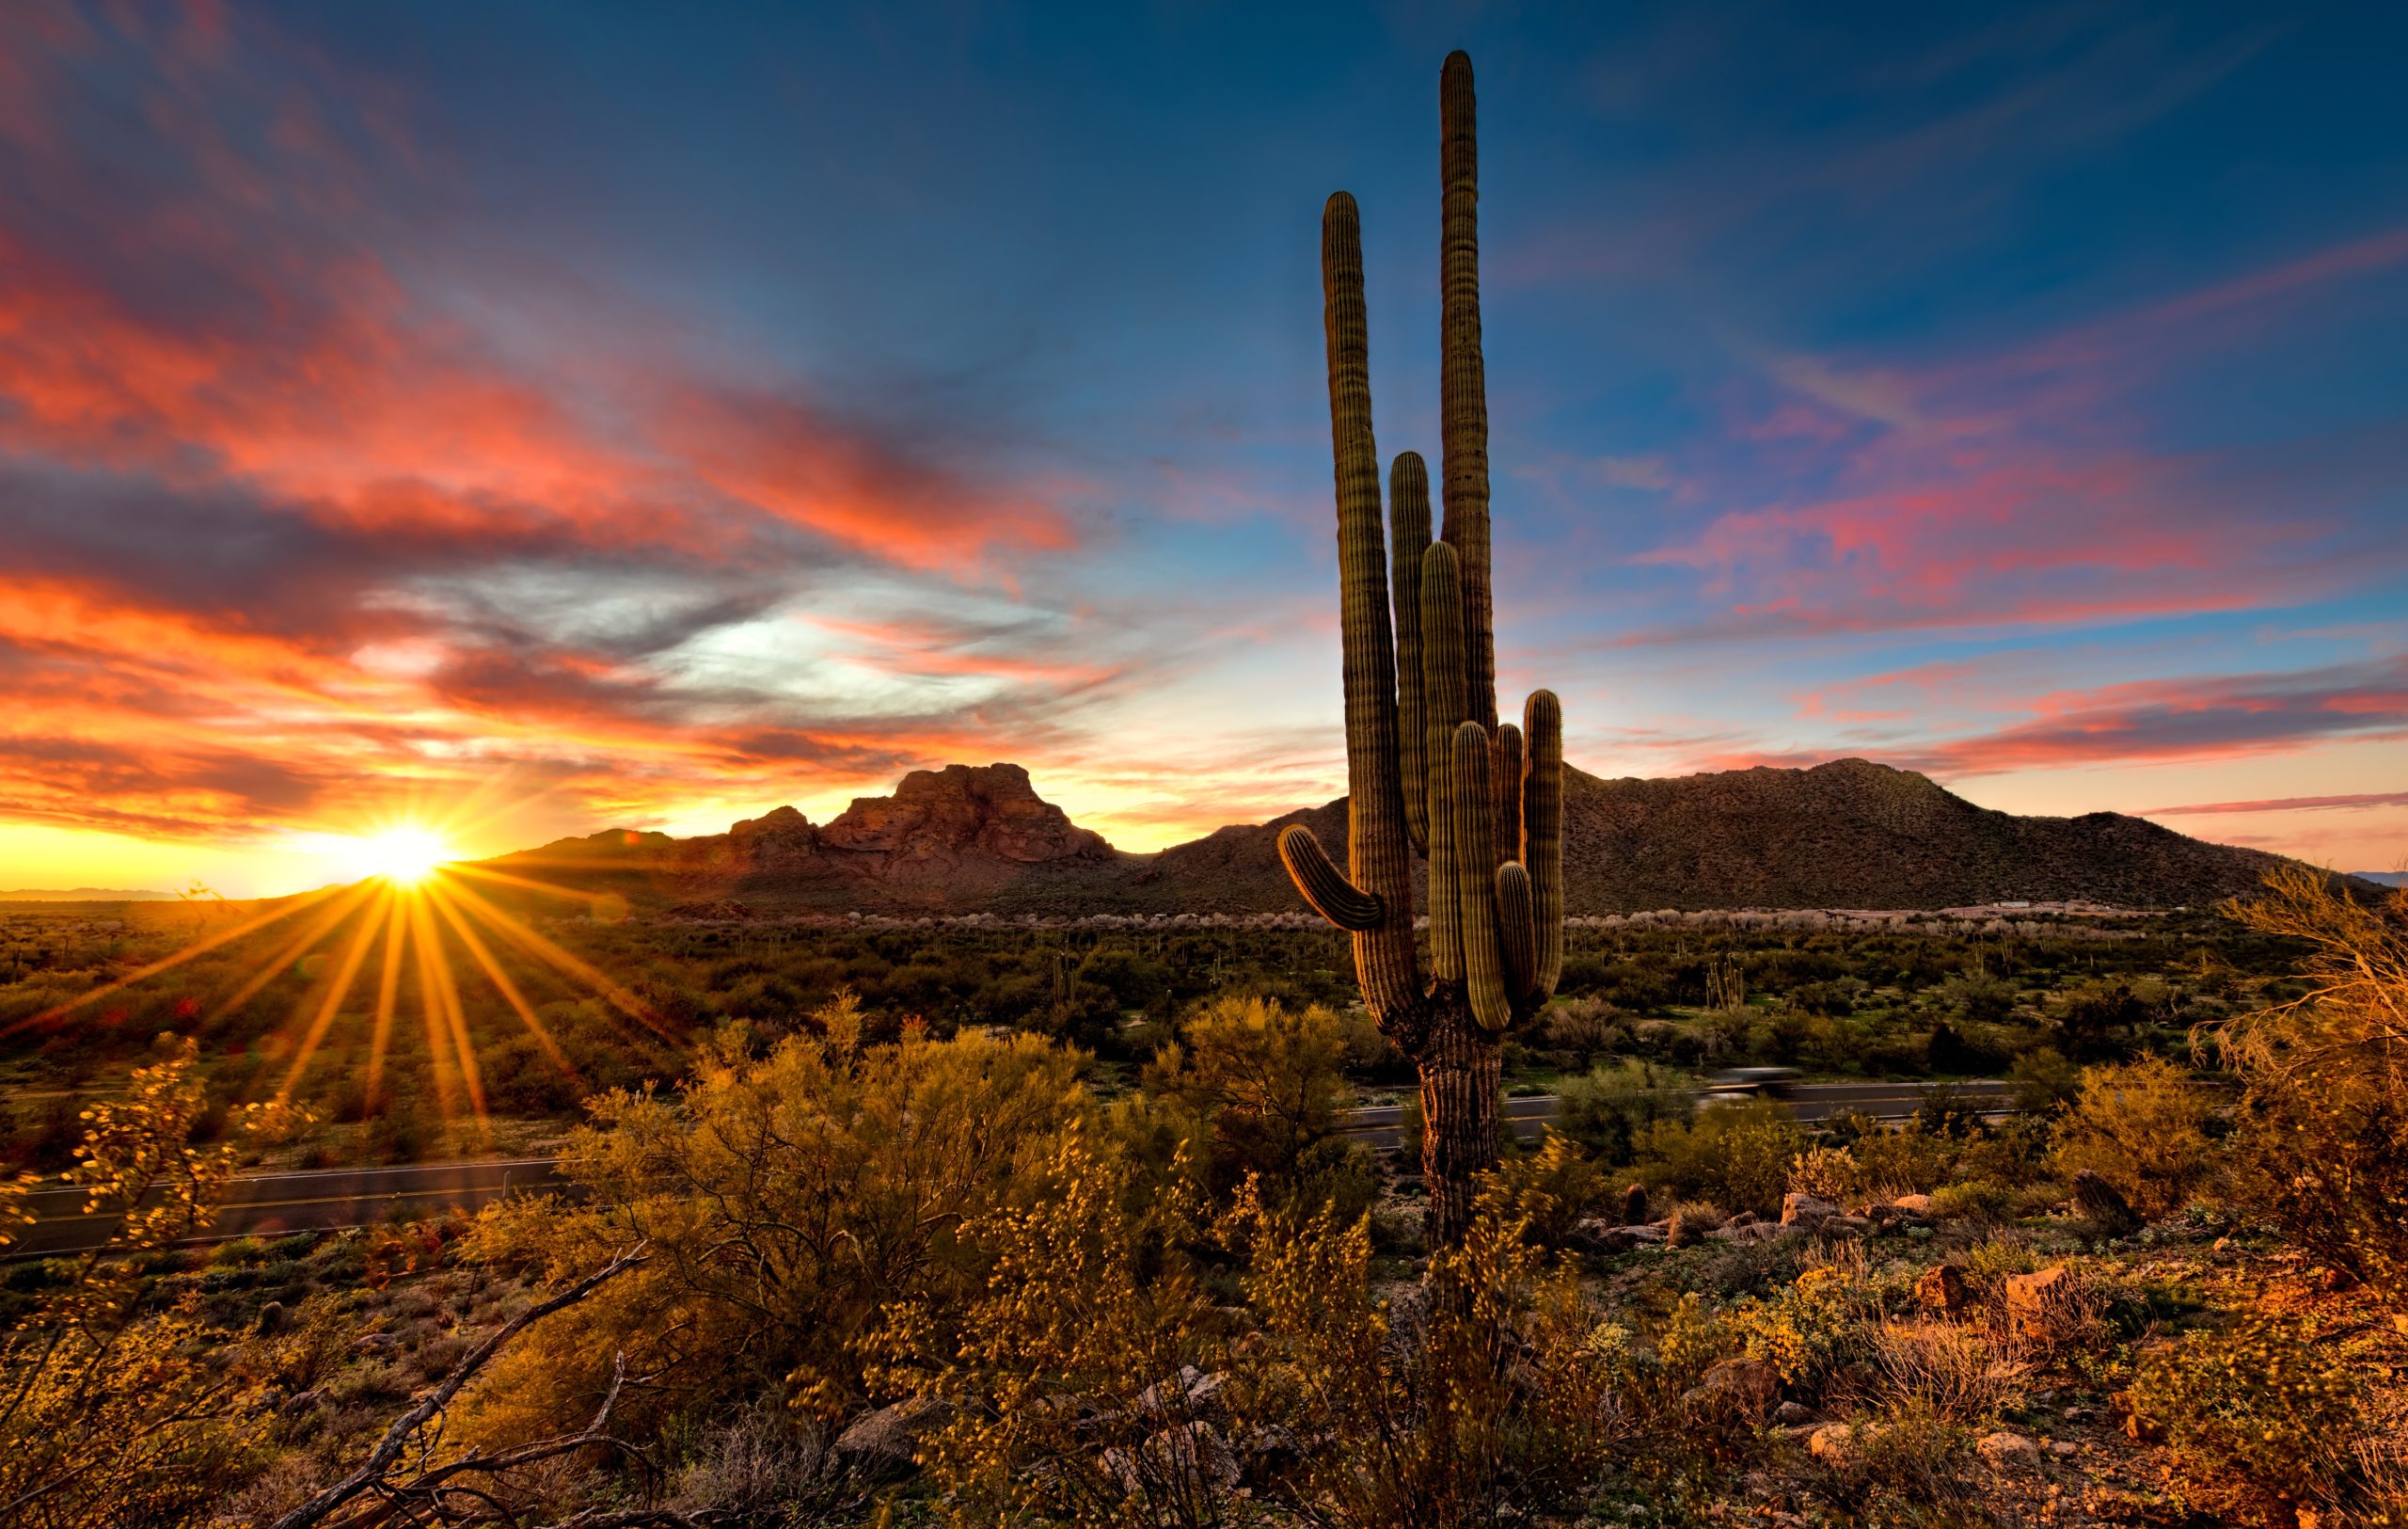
(1816, 1327)
(1262, 1083)
(2264, 1409)
(1097, 1383)
(1910, 1159)
(1979, 998)
(111, 1408)
(1974, 1199)
(2142, 1126)
(1583, 1027)
(1609, 1110)
(1546, 1192)
(1439, 1408)
(1737, 1155)
(2322, 1144)
(2101, 1021)
(1074, 1375)
(1829, 1173)
(762, 1465)
(1911, 1464)
(2043, 1081)
(787, 1199)
(1949, 1366)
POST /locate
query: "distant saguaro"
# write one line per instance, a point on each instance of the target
(1428, 765)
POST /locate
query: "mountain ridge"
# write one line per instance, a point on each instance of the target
(1848, 832)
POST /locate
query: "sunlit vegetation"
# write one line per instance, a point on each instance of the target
(846, 1264)
(1943, 1000)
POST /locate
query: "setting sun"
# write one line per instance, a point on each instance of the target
(403, 856)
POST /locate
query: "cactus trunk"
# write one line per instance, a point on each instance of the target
(1428, 765)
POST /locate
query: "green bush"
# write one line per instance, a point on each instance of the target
(2262, 1409)
(1609, 1110)
(2142, 1126)
(1736, 1154)
(2322, 1144)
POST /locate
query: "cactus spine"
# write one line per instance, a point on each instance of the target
(1427, 764)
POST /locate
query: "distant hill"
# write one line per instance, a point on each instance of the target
(83, 894)
(1850, 834)
(2382, 878)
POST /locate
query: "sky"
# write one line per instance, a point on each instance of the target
(547, 416)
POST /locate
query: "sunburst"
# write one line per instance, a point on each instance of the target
(417, 899)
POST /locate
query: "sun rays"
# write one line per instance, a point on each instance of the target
(413, 922)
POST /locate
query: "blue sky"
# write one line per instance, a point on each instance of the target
(649, 415)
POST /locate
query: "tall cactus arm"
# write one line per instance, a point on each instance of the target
(1324, 884)
(1462, 396)
(1505, 773)
(1442, 700)
(1475, 888)
(1516, 932)
(1409, 536)
(1379, 863)
(1543, 833)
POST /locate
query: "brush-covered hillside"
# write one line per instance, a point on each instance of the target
(1849, 834)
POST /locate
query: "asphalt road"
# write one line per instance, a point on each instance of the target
(268, 1203)
(265, 1204)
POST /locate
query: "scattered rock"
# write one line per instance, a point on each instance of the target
(1830, 1442)
(1790, 1414)
(2006, 1451)
(2036, 1304)
(1848, 1226)
(1165, 1395)
(1178, 1464)
(303, 1401)
(1752, 1384)
(1942, 1291)
(1209, 1392)
(1746, 1232)
(2105, 1205)
(1603, 1237)
(1913, 1204)
(375, 1342)
(885, 1442)
(2063, 1448)
(1804, 1210)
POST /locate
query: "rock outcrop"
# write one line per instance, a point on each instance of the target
(987, 811)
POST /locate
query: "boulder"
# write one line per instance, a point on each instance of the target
(1942, 1291)
(1830, 1442)
(1913, 1204)
(1803, 1210)
(1751, 1384)
(1791, 1414)
(1749, 1231)
(886, 1442)
(274, 1318)
(2104, 1205)
(1184, 1463)
(1602, 1238)
(1848, 1226)
(2039, 1303)
(2007, 1451)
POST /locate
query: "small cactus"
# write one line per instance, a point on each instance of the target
(1429, 766)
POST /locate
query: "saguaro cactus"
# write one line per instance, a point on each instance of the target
(1428, 765)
